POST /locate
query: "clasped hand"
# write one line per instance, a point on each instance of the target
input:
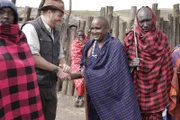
(135, 62)
(63, 73)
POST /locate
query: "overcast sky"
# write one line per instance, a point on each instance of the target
(97, 4)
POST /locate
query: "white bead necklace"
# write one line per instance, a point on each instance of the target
(93, 49)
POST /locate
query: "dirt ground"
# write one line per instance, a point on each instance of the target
(66, 109)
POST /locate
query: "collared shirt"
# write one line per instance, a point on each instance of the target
(33, 40)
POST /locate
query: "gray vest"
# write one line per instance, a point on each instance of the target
(49, 50)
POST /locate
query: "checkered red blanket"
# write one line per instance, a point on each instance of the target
(153, 79)
(19, 92)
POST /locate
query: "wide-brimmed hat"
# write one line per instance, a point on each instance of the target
(53, 4)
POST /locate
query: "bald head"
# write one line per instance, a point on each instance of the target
(144, 12)
(102, 20)
(99, 28)
(144, 18)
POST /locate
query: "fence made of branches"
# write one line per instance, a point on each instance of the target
(170, 26)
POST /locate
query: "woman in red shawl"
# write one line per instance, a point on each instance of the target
(76, 54)
(150, 56)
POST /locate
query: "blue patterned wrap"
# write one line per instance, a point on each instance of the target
(109, 82)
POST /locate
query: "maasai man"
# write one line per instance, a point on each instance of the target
(153, 69)
(174, 108)
(110, 91)
(19, 91)
(76, 54)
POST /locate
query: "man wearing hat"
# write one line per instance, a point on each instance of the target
(43, 39)
(19, 91)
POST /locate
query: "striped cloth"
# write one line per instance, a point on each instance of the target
(76, 54)
(109, 83)
(19, 91)
(153, 79)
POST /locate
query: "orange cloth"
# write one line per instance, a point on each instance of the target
(174, 108)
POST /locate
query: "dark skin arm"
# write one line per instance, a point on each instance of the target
(76, 75)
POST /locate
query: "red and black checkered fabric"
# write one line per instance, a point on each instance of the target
(152, 116)
(19, 91)
(153, 79)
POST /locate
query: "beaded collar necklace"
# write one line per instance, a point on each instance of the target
(93, 49)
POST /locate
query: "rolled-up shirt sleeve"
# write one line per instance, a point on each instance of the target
(32, 38)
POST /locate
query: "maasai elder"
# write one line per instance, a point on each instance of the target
(110, 91)
(153, 69)
(76, 54)
(19, 92)
(174, 108)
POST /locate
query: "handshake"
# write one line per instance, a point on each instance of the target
(64, 73)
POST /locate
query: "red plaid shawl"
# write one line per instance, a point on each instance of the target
(19, 92)
(76, 54)
(153, 79)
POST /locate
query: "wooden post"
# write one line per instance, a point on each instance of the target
(13, 1)
(64, 87)
(75, 92)
(133, 12)
(63, 40)
(179, 28)
(175, 30)
(161, 24)
(166, 29)
(170, 18)
(115, 27)
(40, 5)
(158, 15)
(175, 9)
(88, 27)
(70, 89)
(110, 14)
(63, 35)
(82, 25)
(132, 17)
(27, 14)
(102, 11)
(155, 8)
(86, 102)
(122, 31)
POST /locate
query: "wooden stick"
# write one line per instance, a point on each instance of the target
(85, 102)
(135, 40)
(76, 76)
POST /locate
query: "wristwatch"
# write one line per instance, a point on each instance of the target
(55, 70)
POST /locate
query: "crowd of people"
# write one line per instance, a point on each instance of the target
(137, 80)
